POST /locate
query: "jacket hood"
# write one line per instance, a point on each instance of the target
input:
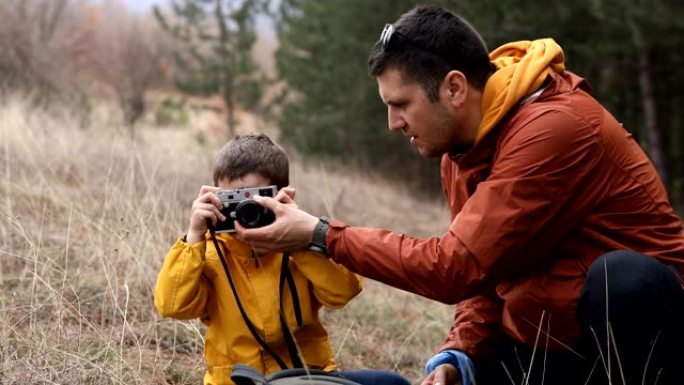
(521, 68)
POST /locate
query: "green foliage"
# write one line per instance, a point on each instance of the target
(214, 54)
(616, 45)
(331, 105)
(620, 46)
(201, 138)
(171, 112)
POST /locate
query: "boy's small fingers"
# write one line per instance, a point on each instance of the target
(206, 188)
(289, 191)
(210, 215)
(210, 197)
(218, 214)
(216, 201)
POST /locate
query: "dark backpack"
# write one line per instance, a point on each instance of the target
(247, 375)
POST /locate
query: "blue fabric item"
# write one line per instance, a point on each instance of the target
(456, 358)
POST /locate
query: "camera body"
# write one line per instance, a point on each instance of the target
(239, 205)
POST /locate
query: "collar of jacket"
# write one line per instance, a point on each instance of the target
(237, 248)
(483, 148)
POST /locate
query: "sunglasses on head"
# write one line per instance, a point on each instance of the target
(386, 35)
(391, 40)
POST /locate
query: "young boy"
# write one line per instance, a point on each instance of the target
(246, 302)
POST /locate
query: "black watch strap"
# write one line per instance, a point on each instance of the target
(317, 243)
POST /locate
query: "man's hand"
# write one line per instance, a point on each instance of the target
(292, 229)
(205, 209)
(445, 374)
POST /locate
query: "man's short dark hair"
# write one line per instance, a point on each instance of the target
(430, 41)
(252, 153)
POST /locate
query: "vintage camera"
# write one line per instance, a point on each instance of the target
(239, 205)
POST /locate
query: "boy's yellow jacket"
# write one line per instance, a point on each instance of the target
(193, 284)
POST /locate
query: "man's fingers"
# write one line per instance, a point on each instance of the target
(291, 229)
(267, 202)
(243, 234)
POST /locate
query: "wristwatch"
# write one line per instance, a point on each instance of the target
(317, 243)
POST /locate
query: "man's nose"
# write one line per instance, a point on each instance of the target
(394, 120)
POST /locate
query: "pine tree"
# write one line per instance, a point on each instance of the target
(214, 43)
(331, 105)
(628, 50)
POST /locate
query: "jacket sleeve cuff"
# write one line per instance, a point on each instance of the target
(458, 359)
(333, 235)
(198, 248)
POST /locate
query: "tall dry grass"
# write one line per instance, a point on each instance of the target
(86, 217)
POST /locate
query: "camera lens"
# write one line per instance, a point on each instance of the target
(250, 214)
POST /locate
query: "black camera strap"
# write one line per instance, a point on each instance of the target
(285, 272)
(287, 333)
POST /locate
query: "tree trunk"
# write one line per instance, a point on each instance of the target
(133, 108)
(52, 13)
(226, 70)
(228, 98)
(653, 134)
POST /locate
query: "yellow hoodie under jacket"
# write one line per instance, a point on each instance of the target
(521, 68)
(193, 284)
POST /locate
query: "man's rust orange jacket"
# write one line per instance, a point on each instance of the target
(551, 187)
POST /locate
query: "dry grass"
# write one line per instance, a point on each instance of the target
(86, 216)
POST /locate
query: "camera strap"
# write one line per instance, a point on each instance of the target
(287, 333)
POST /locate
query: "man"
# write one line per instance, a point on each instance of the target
(564, 255)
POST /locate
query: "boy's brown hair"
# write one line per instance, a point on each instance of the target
(252, 153)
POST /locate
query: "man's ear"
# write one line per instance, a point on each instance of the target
(455, 88)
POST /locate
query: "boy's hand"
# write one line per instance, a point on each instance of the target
(286, 195)
(292, 229)
(205, 209)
